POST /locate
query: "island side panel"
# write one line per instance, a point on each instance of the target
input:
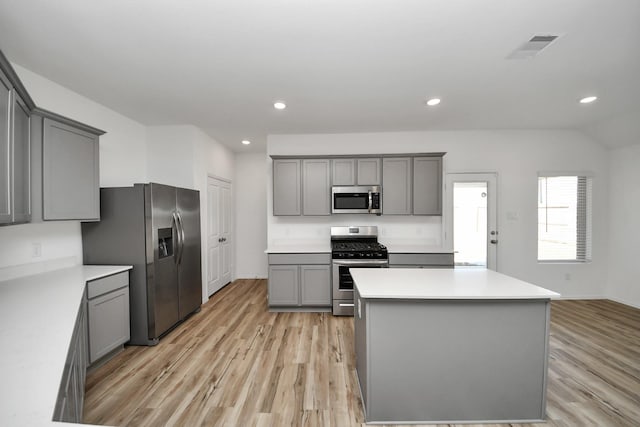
(360, 333)
(456, 360)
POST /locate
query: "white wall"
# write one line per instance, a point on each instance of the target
(122, 162)
(517, 157)
(129, 153)
(251, 223)
(624, 228)
(184, 156)
(122, 148)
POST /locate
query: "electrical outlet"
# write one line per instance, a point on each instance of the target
(36, 250)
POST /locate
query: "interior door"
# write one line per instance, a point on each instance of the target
(225, 216)
(190, 263)
(213, 237)
(219, 234)
(471, 228)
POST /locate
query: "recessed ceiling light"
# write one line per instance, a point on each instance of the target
(588, 99)
(279, 105)
(246, 142)
(433, 101)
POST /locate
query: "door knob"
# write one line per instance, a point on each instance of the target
(494, 241)
(220, 240)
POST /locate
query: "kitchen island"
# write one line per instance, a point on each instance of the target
(450, 346)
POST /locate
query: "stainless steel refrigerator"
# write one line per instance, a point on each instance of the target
(155, 228)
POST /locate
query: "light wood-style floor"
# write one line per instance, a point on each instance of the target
(236, 364)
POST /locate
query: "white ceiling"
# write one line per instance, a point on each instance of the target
(341, 65)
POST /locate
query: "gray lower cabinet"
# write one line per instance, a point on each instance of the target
(316, 189)
(427, 185)
(70, 172)
(315, 285)
(396, 186)
(299, 280)
(108, 311)
(15, 156)
(284, 285)
(421, 260)
(286, 187)
(70, 403)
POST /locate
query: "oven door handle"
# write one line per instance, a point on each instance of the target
(361, 262)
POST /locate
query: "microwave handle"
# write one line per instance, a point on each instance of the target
(370, 201)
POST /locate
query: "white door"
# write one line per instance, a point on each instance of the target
(471, 219)
(219, 238)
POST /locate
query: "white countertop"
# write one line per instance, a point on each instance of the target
(299, 247)
(38, 315)
(415, 283)
(415, 248)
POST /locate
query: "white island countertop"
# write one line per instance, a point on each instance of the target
(38, 315)
(425, 283)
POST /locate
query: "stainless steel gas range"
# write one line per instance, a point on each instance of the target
(353, 247)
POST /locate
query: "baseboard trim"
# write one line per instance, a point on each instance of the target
(619, 301)
(572, 297)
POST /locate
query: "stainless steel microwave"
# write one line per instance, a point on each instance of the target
(356, 199)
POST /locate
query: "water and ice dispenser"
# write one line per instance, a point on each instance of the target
(165, 242)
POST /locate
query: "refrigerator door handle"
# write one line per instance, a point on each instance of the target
(181, 232)
(176, 241)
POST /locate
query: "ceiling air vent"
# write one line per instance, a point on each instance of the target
(533, 46)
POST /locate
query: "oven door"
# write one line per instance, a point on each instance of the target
(342, 280)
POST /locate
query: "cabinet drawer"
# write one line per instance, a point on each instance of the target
(299, 258)
(435, 259)
(107, 284)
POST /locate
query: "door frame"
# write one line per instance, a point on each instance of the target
(492, 210)
(231, 231)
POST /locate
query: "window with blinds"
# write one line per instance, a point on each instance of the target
(564, 218)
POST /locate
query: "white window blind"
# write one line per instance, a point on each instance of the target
(564, 218)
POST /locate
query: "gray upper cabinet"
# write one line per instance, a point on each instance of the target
(356, 171)
(5, 151)
(411, 183)
(396, 186)
(344, 172)
(15, 157)
(369, 172)
(21, 161)
(286, 187)
(71, 181)
(316, 191)
(427, 186)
